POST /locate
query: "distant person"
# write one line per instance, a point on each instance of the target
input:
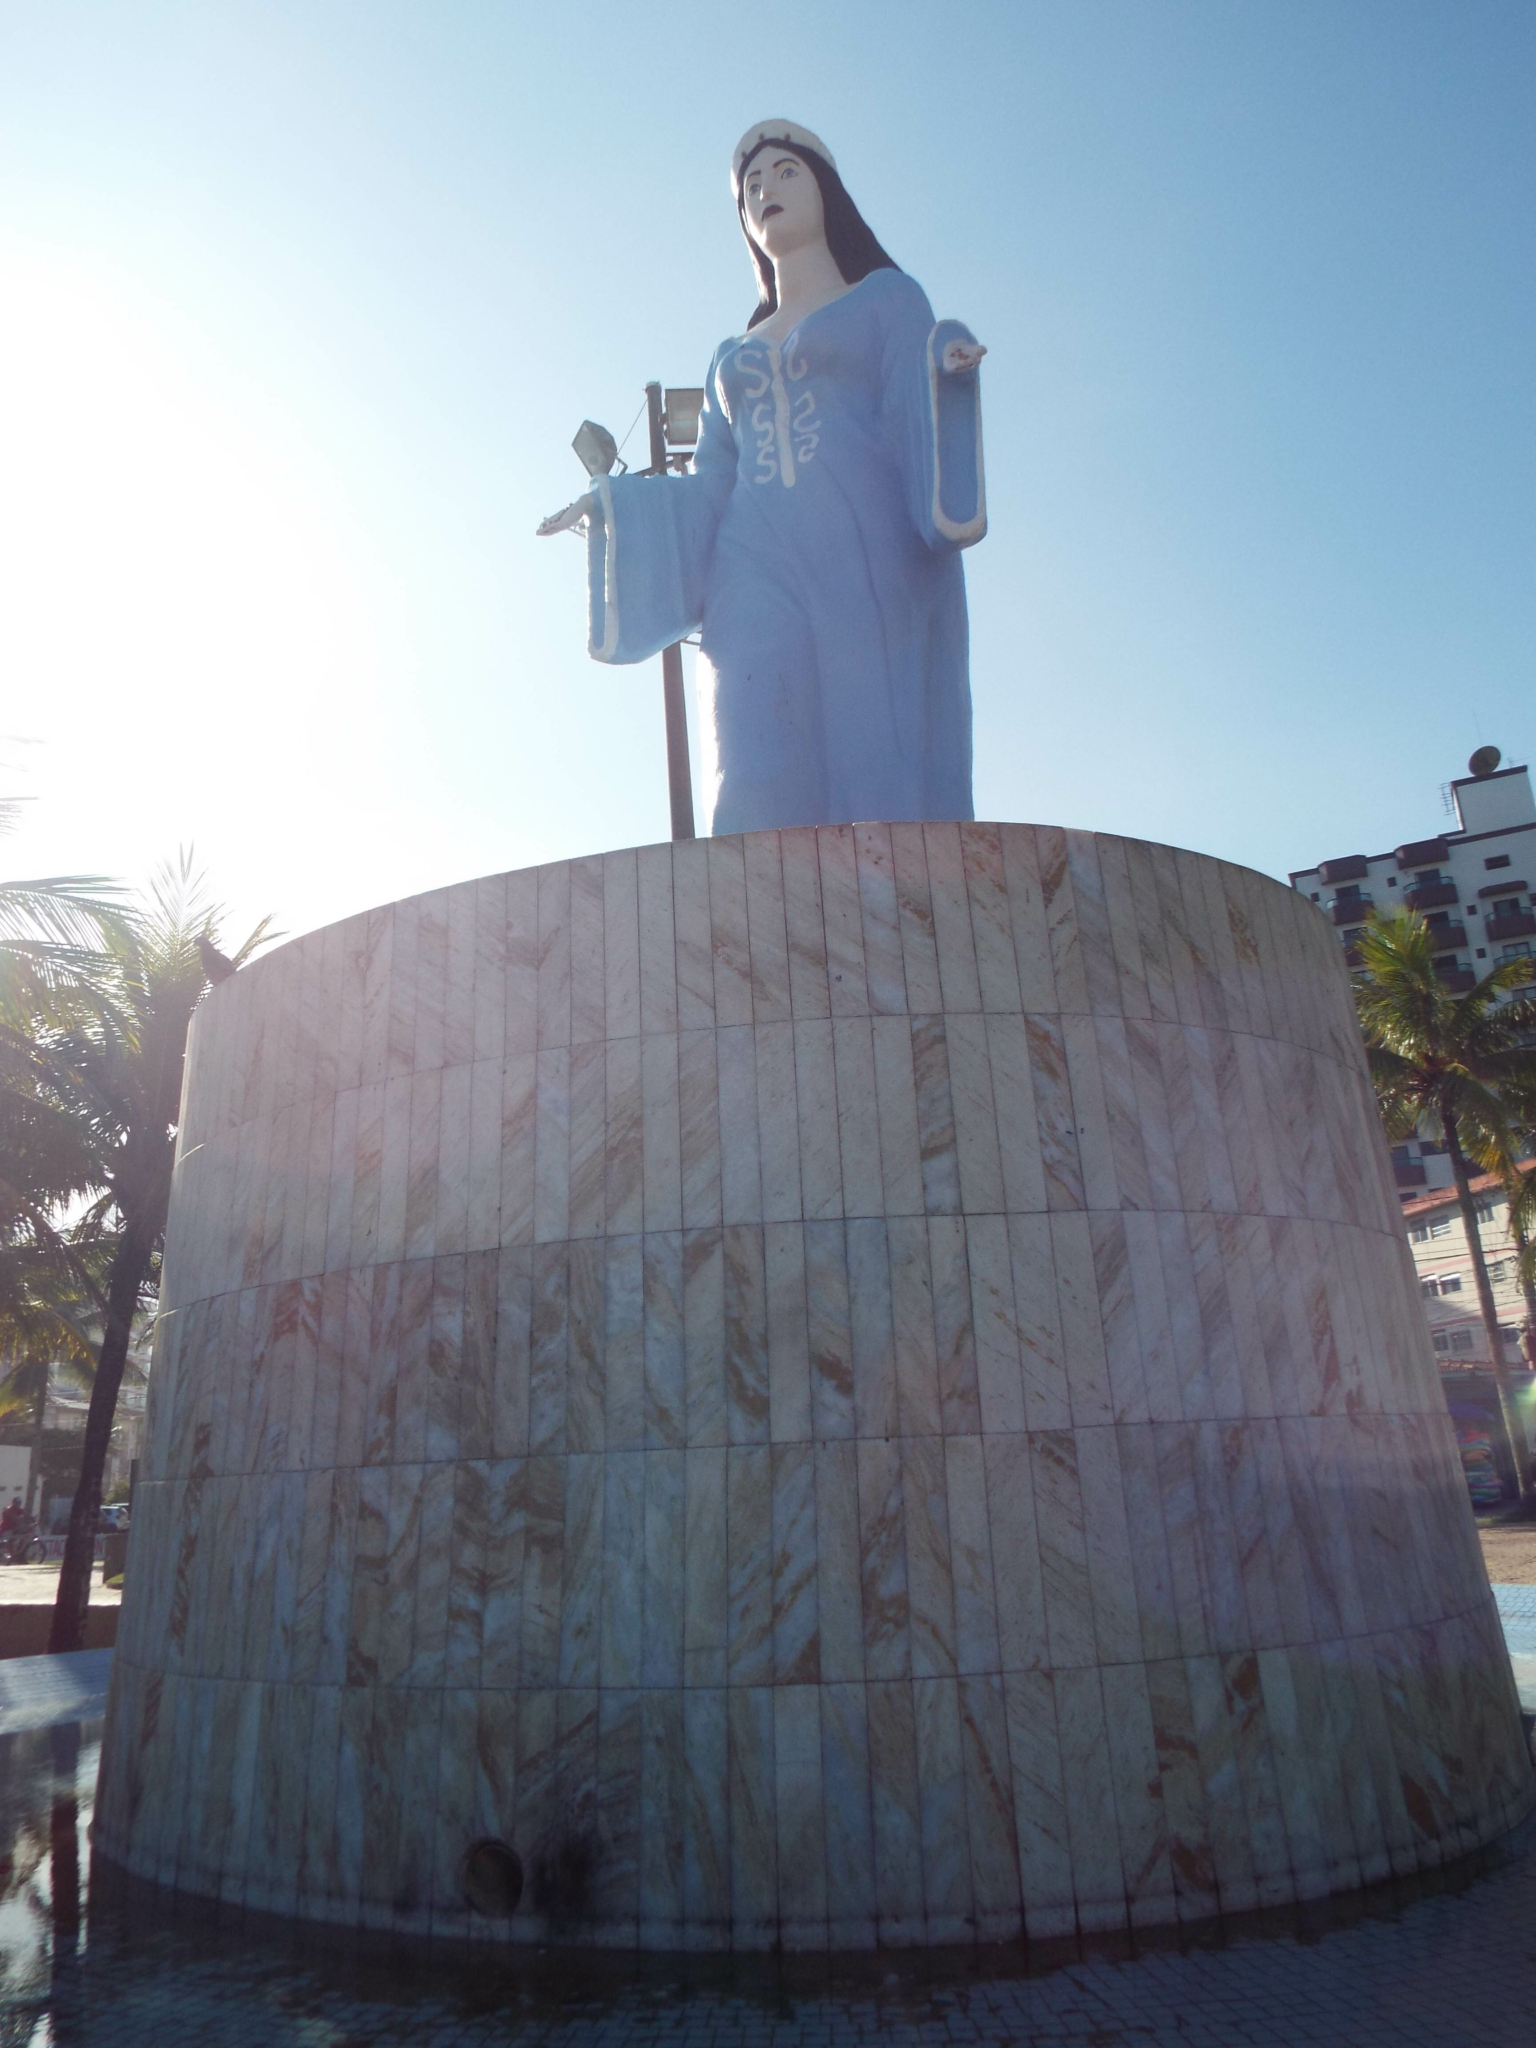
(13, 1517)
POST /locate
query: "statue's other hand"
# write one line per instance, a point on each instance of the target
(963, 355)
(564, 522)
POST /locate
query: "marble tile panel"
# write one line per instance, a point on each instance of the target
(1061, 921)
(753, 1818)
(948, 1895)
(665, 1391)
(588, 994)
(930, 1582)
(913, 1331)
(1182, 1787)
(839, 1564)
(1040, 1805)
(624, 1374)
(586, 1324)
(705, 1842)
(885, 976)
(789, 1367)
(512, 1419)
(432, 1575)
(1037, 1321)
(842, 921)
(1145, 1848)
(489, 931)
(661, 1134)
(657, 939)
(663, 1553)
(896, 1812)
(796, 1637)
(914, 913)
(821, 1181)
(975, 1114)
(804, 928)
(858, 1120)
(622, 1571)
(745, 1335)
(954, 939)
(767, 930)
(798, 1816)
(486, 1589)
(357, 1228)
(1119, 1323)
(473, 1610)
(699, 1127)
(986, 882)
(750, 1559)
(883, 1561)
(1292, 1737)
(615, 1895)
(1098, 1873)
(778, 1122)
(706, 1583)
(999, 1377)
(704, 1336)
(829, 1330)
(1257, 1760)
(691, 922)
(621, 945)
(729, 937)
(317, 1187)
(581, 1570)
(554, 1498)
(873, 1337)
(741, 1181)
(663, 1816)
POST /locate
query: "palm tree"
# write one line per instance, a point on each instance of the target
(115, 1071)
(1462, 1068)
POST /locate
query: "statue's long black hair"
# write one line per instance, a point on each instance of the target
(850, 239)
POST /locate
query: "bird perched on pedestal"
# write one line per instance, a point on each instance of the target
(216, 965)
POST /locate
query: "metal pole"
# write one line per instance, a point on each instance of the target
(679, 775)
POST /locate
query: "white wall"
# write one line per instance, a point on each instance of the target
(14, 1459)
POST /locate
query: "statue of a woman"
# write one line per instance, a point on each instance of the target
(815, 544)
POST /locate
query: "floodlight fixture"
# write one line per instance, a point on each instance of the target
(681, 416)
(596, 448)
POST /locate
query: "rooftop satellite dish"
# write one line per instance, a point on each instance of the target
(1484, 761)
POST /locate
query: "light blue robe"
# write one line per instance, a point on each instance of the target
(815, 549)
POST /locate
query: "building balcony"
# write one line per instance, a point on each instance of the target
(1422, 853)
(1517, 887)
(1520, 925)
(1353, 867)
(1448, 938)
(1350, 909)
(1431, 896)
(1457, 979)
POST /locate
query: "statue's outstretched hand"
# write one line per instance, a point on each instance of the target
(572, 516)
(963, 355)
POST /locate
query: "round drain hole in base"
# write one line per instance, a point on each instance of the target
(491, 1879)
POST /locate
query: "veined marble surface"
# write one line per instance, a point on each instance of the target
(829, 1387)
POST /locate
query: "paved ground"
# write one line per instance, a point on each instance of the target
(1509, 1551)
(35, 1585)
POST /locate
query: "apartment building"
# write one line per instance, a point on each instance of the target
(1473, 885)
(1444, 1262)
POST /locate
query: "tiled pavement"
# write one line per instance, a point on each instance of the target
(1447, 1967)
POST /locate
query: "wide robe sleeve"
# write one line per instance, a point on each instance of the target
(650, 543)
(933, 416)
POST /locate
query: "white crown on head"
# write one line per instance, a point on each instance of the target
(777, 131)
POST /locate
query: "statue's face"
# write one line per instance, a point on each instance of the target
(782, 202)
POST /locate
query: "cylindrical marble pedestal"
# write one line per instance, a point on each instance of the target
(833, 1387)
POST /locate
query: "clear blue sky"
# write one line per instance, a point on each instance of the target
(303, 302)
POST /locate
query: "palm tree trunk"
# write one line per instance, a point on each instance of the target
(130, 1268)
(1523, 1266)
(1507, 1415)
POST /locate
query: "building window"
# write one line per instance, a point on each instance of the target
(1486, 1209)
(1315, 895)
(1437, 1226)
(1441, 1283)
(1462, 1341)
(1504, 906)
(1499, 1270)
(1497, 860)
